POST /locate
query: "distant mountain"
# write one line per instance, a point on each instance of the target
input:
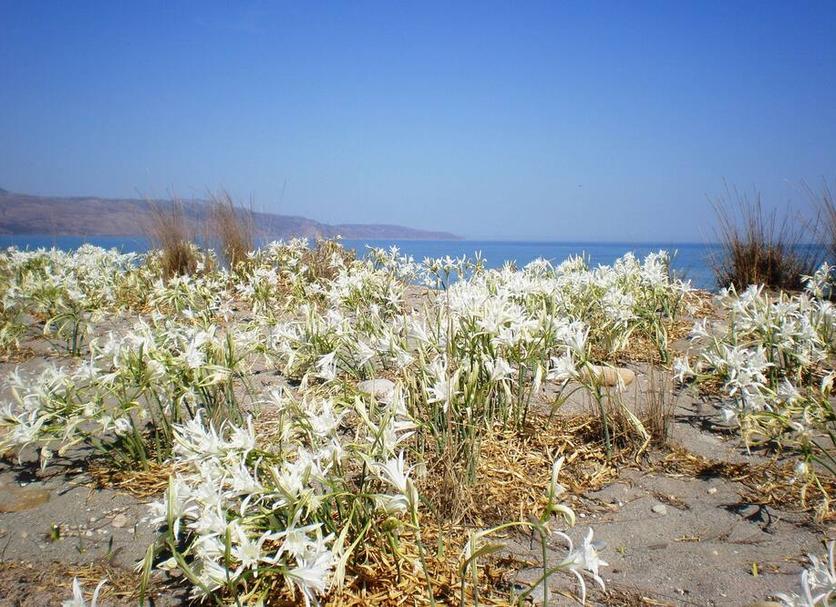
(92, 216)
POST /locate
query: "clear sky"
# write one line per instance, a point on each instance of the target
(552, 121)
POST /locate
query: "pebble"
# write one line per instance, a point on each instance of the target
(120, 520)
(381, 389)
(611, 376)
(712, 491)
(15, 498)
(660, 509)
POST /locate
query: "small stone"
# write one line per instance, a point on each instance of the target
(712, 491)
(16, 499)
(88, 533)
(381, 389)
(610, 376)
(660, 509)
(120, 520)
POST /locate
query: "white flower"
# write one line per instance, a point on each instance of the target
(212, 575)
(246, 550)
(682, 369)
(396, 474)
(802, 468)
(311, 576)
(326, 421)
(122, 426)
(326, 366)
(728, 414)
(296, 542)
(498, 368)
(193, 356)
(443, 388)
(78, 595)
(585, 560)
(818, 583)
(562, 368)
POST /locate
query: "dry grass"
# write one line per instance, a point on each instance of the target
(318, 259)
(169, 230)
(232, 226)
(657, 406)
(759, 247)
(377, 578)
(514, 468)
(51, 583)
(512, 478)
(142, 484)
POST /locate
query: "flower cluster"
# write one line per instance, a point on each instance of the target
(238, 513)
(169, 377)
(772, 356)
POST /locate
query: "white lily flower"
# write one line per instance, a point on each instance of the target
(78, 595)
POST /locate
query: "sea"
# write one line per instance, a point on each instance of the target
(691, 261)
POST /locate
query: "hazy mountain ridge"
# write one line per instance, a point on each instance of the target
(94, 216)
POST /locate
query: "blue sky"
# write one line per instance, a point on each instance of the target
(551, 121)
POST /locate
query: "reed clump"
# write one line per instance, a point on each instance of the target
(762, 247)
(826, 206)
(658, 405)
(169, 231)
(232, 227)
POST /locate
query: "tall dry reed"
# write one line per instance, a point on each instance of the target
(826, 207)
(232, 226)
(762, 247)
(168, 230)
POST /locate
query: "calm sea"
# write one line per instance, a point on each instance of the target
(690, 260)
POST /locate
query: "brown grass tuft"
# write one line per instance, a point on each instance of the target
(759, 247)
(169, 231)
(318, 259)
(657, 406)
(232, 226)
